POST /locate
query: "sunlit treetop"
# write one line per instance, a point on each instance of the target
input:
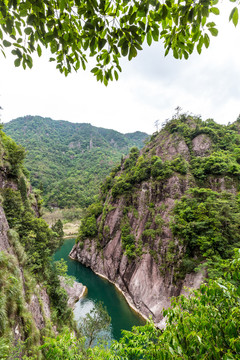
(105, 30)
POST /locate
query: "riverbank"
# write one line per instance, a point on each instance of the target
(101, 290)
(75, 291)
(128, 300)
(70, 219)
(70, 229)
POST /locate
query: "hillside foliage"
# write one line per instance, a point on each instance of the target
(68, 161)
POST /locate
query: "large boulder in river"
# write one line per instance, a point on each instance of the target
(75, 290)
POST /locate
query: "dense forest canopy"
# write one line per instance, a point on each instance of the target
(68, 161)
(104, 30)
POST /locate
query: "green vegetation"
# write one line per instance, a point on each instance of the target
(12, 303)
(95, 322)
(33, 242)
(128, 239)
(205, 325)
(67, 161)
(206, 223)
(88, 226)
(142, 168)
(105, 31)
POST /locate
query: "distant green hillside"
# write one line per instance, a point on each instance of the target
(68, 161)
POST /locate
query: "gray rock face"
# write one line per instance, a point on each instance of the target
(142, 281)
(201, 145)
(39, 312)
(75, 292)
(39, 307)
(4, 242)
(5, 182)
(172, 146)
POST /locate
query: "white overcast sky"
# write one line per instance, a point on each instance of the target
(150, 87)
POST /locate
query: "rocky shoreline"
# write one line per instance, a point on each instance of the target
(74, 292)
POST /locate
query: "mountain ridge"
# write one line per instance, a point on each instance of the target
(68, 160)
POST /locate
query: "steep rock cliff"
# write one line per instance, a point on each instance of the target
(139, 238)
(34, 304)
(27, 307)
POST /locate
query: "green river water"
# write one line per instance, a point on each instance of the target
(99, 289)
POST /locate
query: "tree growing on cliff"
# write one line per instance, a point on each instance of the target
(105, 30)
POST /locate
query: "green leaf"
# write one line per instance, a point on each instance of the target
(155, 34)
(39, 50)
(234, 16)
(175, 53)
(105, 81)
(185, 54)
(206, 40)
(17, 62)
(124, 48)
(94, 70)
(133, 18)
(30, 19)
(101, 43)
(149, 38)
(132, 52)
(213, 31)
(199, 45)
(116, 74)
(28, 30)
(205, 11)
(215, 10)
(6, 43)
(164, 11)
(142, 25)
(191, 15)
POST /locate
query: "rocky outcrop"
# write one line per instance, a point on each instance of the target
(201, 145)
(74, 291)
(39, 303)
(39, 307)
(142, 281)
(136, 247)
(4, 242)
(169, 147)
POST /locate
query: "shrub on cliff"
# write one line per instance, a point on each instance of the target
(207, 225)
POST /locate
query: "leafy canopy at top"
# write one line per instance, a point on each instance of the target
(74, 30)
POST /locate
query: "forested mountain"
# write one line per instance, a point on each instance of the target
(68, 161)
